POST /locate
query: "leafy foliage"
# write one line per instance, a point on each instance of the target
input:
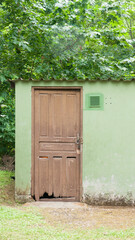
(67, 39)
(7, 119)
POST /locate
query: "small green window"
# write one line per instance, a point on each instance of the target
(94, 101)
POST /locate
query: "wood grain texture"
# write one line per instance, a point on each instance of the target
(56, 159)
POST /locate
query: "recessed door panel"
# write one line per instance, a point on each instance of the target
(57, 115)
(44, 114)
(43, 175)
(71, 106)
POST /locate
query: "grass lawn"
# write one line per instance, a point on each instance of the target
(6, 188)
(5, 178)
(18, 222)
(21, 224)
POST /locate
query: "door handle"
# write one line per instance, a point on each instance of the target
(78, 140)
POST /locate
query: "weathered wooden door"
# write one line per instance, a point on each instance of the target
(57, 144)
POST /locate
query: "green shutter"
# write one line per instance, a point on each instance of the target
(94, 101)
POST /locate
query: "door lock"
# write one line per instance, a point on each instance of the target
(78, 143)
(78, 139)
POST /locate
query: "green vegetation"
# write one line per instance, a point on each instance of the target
(78, 39)
(5, 178)
(6, 187)
(7, 119)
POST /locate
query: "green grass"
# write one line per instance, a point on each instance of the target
(6, 187)
(28, 224)
(5, 178)
(19, 222)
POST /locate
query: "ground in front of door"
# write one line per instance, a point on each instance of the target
(79, 215)
(60, 220)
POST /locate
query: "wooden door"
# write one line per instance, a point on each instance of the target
(57, 144)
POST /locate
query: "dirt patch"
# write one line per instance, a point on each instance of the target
(7, 194)
(91, 217)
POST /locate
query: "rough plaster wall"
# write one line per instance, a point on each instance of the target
(23, 142)
(109, 152)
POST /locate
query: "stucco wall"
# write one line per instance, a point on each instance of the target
(108, 141)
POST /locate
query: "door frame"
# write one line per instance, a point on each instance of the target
(33, 89)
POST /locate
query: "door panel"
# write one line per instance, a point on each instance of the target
(43, 146)
(43, 175)
(57, 115)
(57, 176)
(71, 104)
(57, 156)
(71, 172)
(44, 113)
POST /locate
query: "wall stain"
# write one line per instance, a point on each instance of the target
(23, 196)
(108, 192)
(107, 199)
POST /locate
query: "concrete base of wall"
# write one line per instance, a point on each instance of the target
(109, 200)
(23, 198)
(100, 200)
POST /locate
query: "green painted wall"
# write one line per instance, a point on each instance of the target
(108, 136)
